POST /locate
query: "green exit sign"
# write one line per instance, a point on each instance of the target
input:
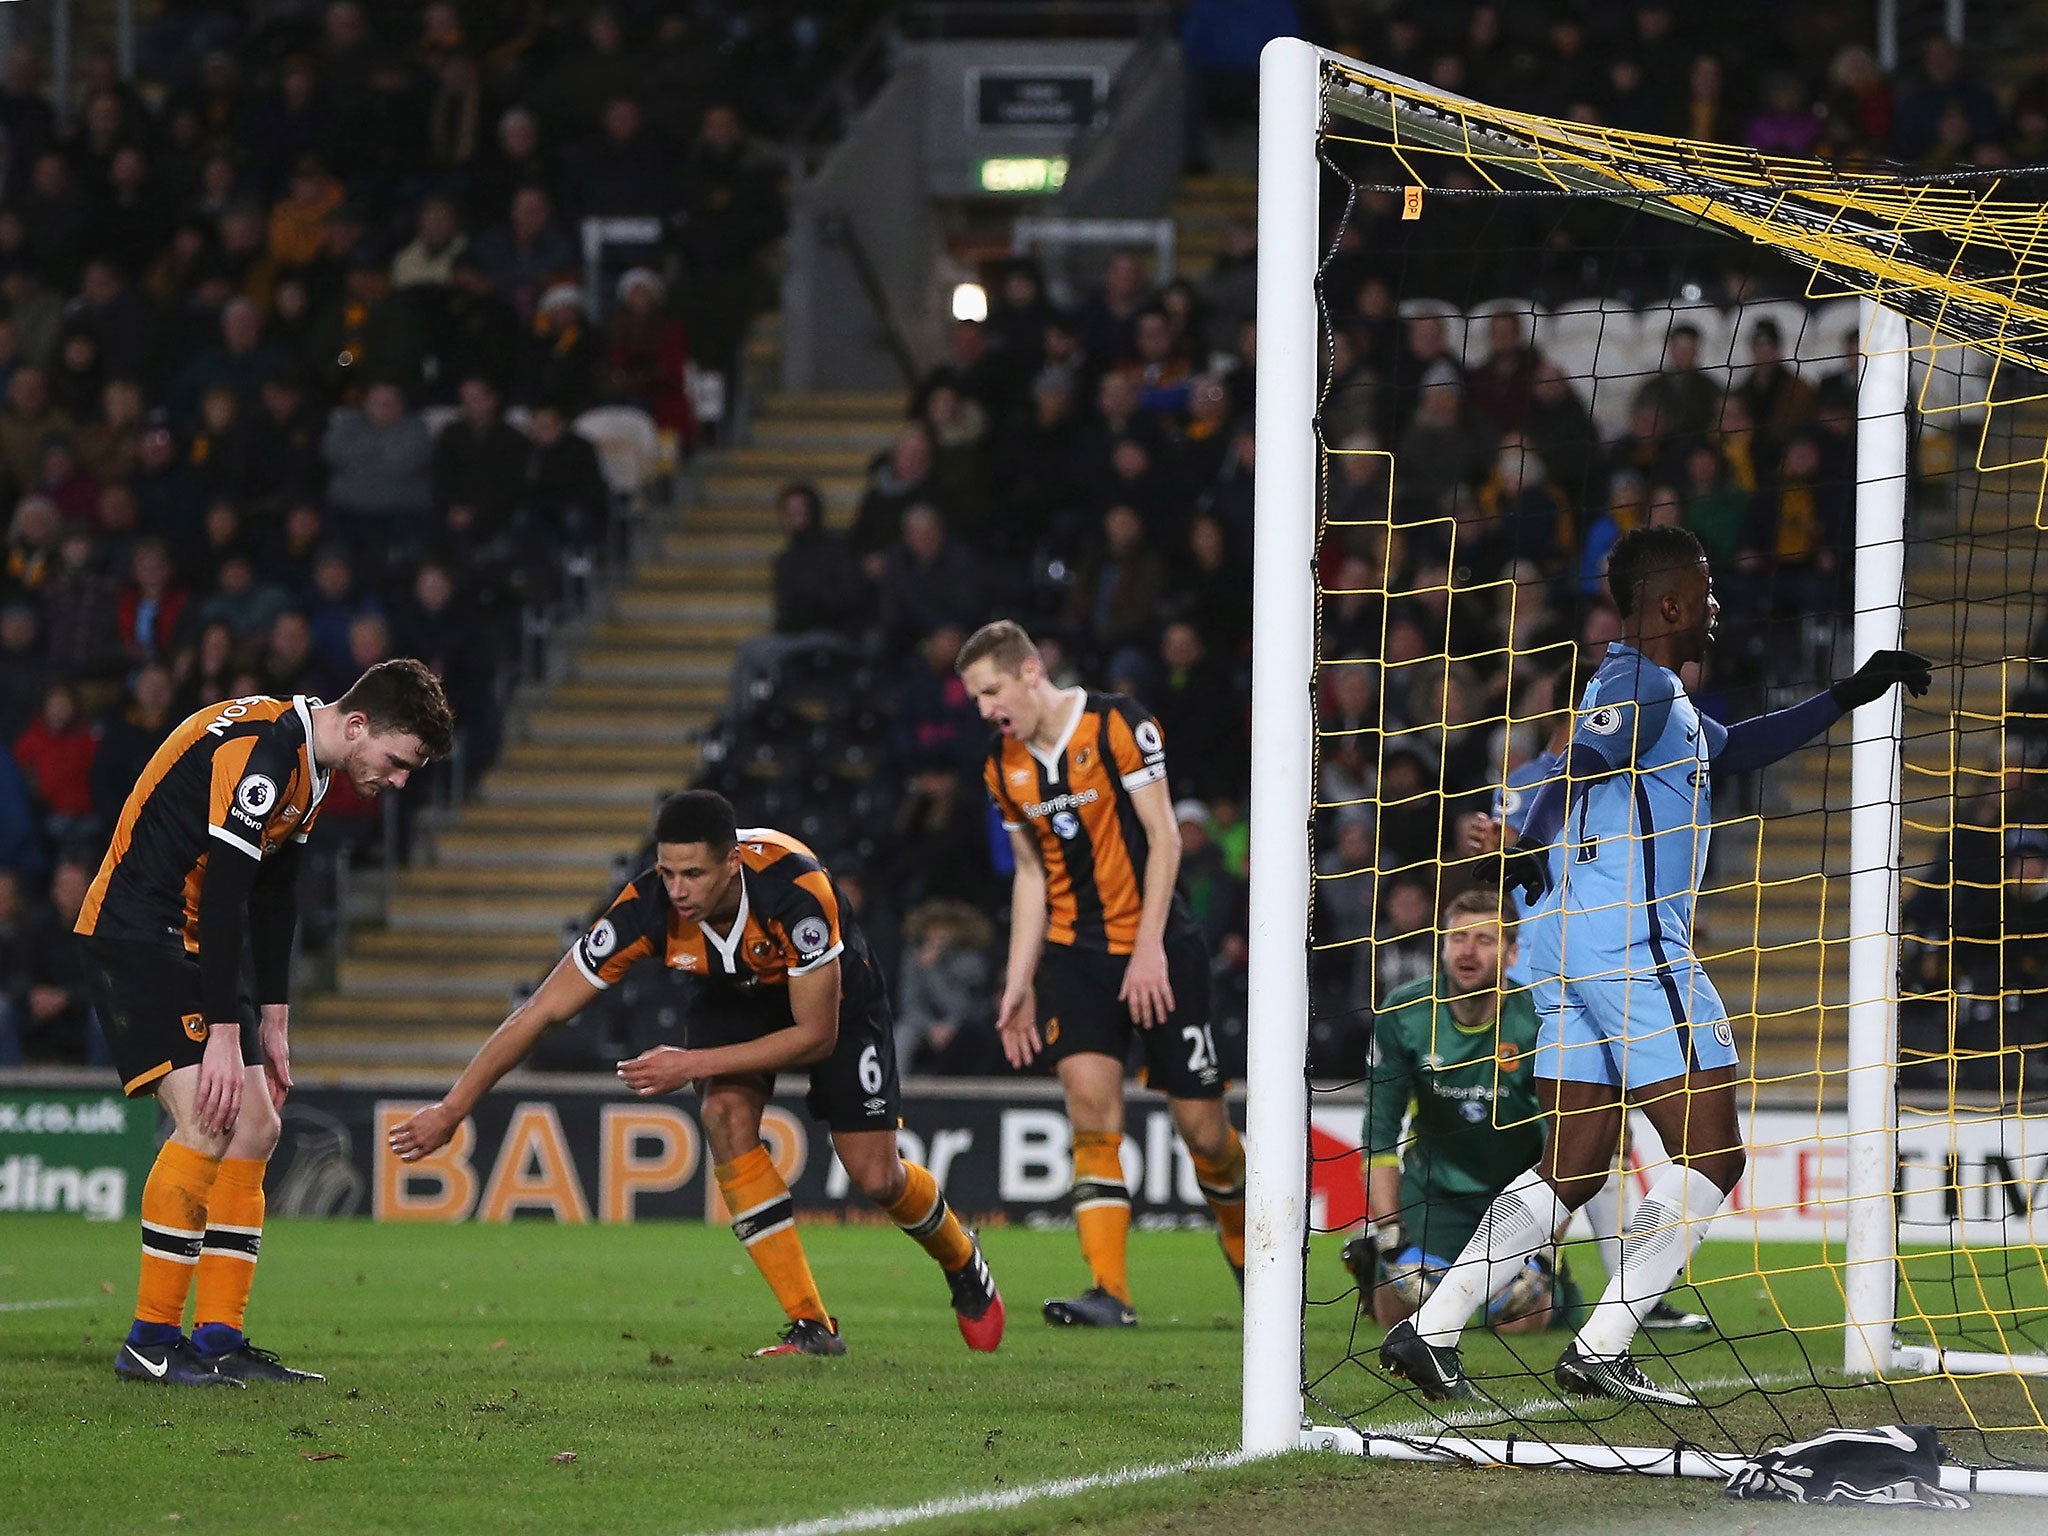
(1023, 173)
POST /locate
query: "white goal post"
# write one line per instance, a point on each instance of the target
(1284, 655)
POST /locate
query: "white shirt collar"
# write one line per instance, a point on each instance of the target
(728, 947)
(1050, 761)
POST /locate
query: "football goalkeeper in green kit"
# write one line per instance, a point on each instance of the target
(1456, 1047)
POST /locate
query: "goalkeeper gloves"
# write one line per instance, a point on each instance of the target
(1521, 869)
(1881, 672)
(1368, 1255)
(1531, 1289)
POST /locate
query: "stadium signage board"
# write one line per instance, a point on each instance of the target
(1036, 98)
(580, 1151)
(71, 1153)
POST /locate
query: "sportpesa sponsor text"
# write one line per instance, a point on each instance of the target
(1038, 808)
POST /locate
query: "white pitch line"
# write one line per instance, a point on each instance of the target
(45, 1306)
(982, 1503)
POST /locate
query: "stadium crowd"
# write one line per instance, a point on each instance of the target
(234, 292)
(292, 339)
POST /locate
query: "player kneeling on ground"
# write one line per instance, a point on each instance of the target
(783, 981)
(1460, 1049)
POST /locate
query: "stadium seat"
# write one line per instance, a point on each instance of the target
(628, 446)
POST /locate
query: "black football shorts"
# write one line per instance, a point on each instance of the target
(1078, 1010)
(856, 1088)
(148, 1002)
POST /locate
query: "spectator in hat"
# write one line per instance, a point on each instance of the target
(646, 354)
(560, 358)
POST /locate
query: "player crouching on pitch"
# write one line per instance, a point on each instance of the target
(1461, 1049)
(783, 980)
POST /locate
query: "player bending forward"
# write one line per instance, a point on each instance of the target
(1624, 1008)
(1099, 942)
(782, 980)
(205, 858)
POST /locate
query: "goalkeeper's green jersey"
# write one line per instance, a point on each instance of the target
(1475, 1126)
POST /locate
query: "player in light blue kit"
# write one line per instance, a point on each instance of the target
(1611, 854)
(1512, 803)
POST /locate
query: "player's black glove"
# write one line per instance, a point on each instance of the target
(1880, 672)
(1519, 869)
(1369, 1254)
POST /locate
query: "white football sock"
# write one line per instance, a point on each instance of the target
(1603, 1213)
(1662, 1235)
(1521, 1220)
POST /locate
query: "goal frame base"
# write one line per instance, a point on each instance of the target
(1675, 1460)
(1933, 1360)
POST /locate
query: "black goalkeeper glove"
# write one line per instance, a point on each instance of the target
(1881, 672)
(1519, 869)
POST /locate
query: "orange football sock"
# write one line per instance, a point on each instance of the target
(922, 1212)
(173, 1228)
(1222, 1182)
(234, 1231)
(764, 1219)
(1102, 1209)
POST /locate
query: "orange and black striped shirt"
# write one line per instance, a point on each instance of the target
(1076, 802)
(235, 780)
(791, 922)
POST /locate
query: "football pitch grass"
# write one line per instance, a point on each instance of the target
(568, 1380)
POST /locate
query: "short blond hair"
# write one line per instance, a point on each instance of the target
(1003, 642)
(1476, 902)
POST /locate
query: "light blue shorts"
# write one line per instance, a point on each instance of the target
(1642, 1019)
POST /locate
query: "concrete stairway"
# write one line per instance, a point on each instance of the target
(588, 756)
